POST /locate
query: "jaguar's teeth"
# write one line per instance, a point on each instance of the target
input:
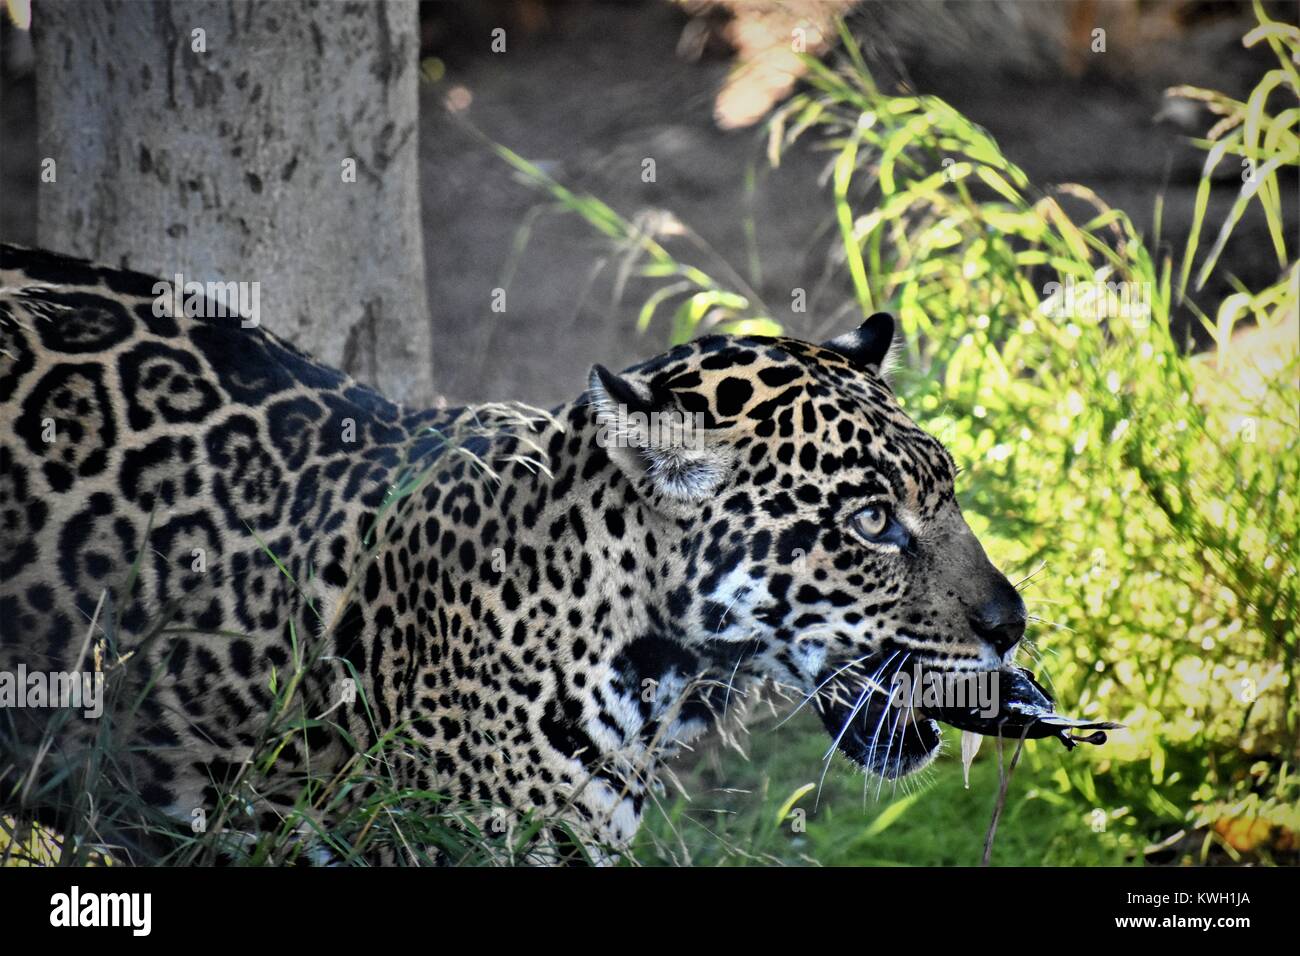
(970, 745)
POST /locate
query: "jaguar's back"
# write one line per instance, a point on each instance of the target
(181, 502)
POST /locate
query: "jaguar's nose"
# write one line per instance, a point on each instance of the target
(1000, 620)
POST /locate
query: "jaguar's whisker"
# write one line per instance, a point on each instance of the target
(1042, 620)
(1025, 581)
(870, 689)
(888, 747)
(880, 724)
(726, 700)
(816, 690)
(722, 618)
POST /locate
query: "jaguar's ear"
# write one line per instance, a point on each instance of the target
(652, 438)
(868, 344)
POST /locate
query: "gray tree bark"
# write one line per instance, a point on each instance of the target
(224, 155)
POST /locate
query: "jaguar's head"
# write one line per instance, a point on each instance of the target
(816, 539)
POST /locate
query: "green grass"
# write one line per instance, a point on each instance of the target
(1062, 810)
(931, 820)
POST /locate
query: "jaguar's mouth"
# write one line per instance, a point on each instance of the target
(873, 722)
(884, 717)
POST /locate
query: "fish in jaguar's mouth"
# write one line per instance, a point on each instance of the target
(885, 716)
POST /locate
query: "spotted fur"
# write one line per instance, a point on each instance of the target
(544, 637)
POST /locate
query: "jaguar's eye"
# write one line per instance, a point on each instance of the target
(872, 522)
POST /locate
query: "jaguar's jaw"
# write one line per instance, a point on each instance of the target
(872, 725)
(883, 739)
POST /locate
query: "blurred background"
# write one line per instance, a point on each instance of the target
(589, 90)
(624, 175)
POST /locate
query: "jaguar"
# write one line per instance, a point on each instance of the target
(540, 608)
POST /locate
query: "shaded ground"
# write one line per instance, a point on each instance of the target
(591, 90)
(602, 89)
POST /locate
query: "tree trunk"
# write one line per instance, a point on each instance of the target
(215, 139)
